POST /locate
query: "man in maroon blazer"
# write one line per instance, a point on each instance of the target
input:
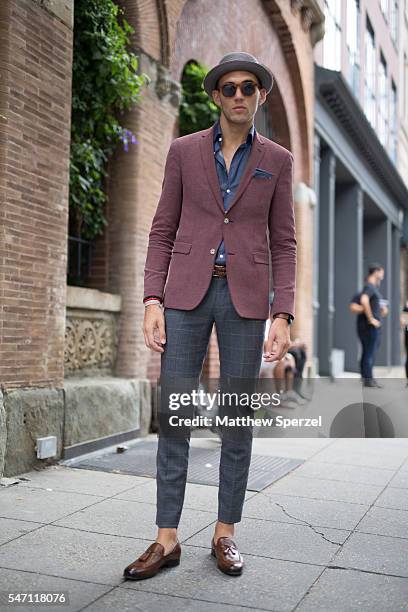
(225, 213)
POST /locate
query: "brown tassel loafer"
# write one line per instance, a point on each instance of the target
(229, 559)
(151, 561)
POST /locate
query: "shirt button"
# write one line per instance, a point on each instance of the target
(212, 251)
(226, 220)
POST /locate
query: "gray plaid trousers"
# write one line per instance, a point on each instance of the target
(240, 342)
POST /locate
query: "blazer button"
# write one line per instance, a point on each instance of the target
(212, 251)
(226, 220)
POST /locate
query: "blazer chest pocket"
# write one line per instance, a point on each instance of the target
(261, 257)
(182, 247)
(262, 174)
(262, 186)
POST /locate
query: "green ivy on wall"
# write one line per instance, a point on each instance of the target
(104, 84)
(197, 111)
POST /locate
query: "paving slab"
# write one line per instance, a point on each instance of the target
(62, 478)
(404, 466)
(346, 473)
(11, 529)
(80, 593)
(369, 452)
(132, 519)
(374, 553)
(348, 590)
(400, 480)
(317, 512)
(393, 497)
(385, 521)
(268, 584)
(129, 600)
(67, 553)
(318, 488)
(286, 541)
(40, 505)
(294, 448)
(369, 444)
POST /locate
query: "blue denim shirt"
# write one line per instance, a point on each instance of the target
(229, 182)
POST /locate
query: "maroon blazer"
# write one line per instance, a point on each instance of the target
(190, 223)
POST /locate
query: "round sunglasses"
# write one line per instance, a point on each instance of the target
(247, 88)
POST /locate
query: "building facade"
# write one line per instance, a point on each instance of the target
(360, 175)
(403, 132)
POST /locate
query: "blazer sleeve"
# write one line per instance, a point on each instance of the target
(164, 226)
(282, 239)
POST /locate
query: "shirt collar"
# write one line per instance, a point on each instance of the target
(218, 132)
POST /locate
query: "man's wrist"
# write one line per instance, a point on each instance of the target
(283, 315)
(152, 299)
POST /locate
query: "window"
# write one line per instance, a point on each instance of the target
(370, 69)
(332, 37)
(353, 45)
(393, 123)
(383, 101)
(394, 20)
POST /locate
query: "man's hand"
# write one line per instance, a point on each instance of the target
(278, 342)
(154, 328)
(374, 322)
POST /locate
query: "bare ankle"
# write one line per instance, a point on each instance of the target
(167, 536)
(223, 530)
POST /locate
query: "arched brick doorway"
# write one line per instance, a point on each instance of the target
(207, 35)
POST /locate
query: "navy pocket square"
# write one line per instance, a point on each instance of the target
(260, 173)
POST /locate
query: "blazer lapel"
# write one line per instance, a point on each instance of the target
(207, 154)
(253, 161)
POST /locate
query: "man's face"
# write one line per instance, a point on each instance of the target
(239, 108)
(379, 275)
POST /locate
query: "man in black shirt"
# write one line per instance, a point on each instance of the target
(404, 323)
(369, 322)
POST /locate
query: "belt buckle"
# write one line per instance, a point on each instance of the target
(220, 269)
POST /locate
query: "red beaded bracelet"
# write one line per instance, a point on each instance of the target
(151, 297)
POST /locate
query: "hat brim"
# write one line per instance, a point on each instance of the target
(261, 71)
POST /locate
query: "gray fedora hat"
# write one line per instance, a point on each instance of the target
(238, 60)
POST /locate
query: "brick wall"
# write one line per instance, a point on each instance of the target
(134, 190)
(35, 91)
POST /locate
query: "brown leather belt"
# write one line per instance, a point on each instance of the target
(219, 270)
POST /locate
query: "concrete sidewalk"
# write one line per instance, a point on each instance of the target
(331, 535)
